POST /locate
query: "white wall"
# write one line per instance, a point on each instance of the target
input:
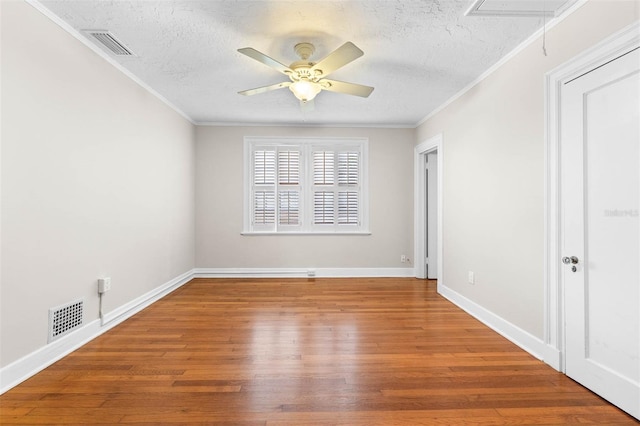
(219, 205)
(493, 140)
(97, 179)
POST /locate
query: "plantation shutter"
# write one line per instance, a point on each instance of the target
(264, 191)
(348, 168)
(348, 207)
(264, 167)
(289, 187)
(336, 194)
(305, 185)
(323, 208)
(348, 178)
(323, 167)
(323, 194)
(264, 208)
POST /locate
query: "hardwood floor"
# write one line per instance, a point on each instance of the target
(303, 352)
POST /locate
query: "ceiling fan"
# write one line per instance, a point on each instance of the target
(309, 78)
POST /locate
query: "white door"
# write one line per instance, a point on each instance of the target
(600, 229)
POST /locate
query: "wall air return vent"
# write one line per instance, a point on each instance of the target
(108, 41)
(65, 318)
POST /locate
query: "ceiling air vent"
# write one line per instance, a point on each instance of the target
(533, 8)
(109, 41)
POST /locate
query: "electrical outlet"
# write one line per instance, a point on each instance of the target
(403, 258)
(471, 278)
(104, 285)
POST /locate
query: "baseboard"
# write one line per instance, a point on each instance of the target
(20, 370)
(515, 334)
(136, 305)
(27, 366)
(553, 357)
(303, 272)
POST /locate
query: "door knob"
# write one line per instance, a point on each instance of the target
(570, 260)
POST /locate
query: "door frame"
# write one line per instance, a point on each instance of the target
(420, 212)
(609, 49)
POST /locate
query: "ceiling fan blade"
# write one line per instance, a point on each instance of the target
(340, 57)
(265, 88)
(261, 57)
(344, 87)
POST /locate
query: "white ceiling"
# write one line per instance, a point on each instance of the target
(417, 53)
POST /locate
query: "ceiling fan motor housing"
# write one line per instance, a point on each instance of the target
(302, 71)
(303, 67)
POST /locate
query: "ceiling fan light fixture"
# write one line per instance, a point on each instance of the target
(305, 90)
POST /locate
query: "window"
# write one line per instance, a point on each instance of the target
(305, 185)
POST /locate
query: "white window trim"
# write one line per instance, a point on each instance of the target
(307, 227)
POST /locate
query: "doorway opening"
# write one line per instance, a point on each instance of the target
(428, 161)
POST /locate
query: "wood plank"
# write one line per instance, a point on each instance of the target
(299, 351)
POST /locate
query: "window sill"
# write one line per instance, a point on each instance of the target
(308, 233)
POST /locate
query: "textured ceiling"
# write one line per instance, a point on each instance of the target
(417, 54)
